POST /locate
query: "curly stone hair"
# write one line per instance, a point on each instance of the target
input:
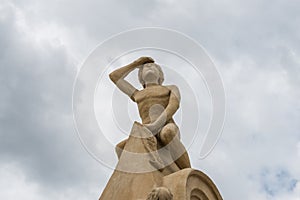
(162, 193)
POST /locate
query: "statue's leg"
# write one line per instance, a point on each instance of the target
(170, 133)
(120, 147)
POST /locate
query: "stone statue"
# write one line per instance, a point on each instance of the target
(153, 163)
(156, 103)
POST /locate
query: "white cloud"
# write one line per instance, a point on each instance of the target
(298, 149)
(14, 184)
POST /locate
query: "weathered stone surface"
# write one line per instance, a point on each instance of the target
(138, 184)
(190, 184)
(135, 176)
(153, 163)
(160, 193)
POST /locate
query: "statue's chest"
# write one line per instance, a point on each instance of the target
(154, 92)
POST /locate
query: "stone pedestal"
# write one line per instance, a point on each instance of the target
(190, 184)
(136, 174)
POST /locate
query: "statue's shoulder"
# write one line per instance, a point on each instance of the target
(174, 89)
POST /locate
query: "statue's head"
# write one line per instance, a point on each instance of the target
(150, 73)
(160, 193)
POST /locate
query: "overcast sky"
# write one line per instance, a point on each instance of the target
(254, 44)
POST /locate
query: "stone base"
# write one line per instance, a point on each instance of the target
(190, 184)
(136, 176)
(186, 184)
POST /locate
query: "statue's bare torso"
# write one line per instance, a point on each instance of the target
(152, 101)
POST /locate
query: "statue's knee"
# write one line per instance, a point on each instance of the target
(168, 133)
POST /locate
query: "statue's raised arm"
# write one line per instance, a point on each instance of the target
(118, 76)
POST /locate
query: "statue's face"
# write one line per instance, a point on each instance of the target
(150, 73)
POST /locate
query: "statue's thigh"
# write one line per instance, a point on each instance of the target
(168, 132)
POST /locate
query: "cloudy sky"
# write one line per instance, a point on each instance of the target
(254, 44)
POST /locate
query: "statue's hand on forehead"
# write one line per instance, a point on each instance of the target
(144, 60)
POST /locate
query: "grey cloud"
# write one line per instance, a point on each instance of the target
(36, 118)
(256, 47)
